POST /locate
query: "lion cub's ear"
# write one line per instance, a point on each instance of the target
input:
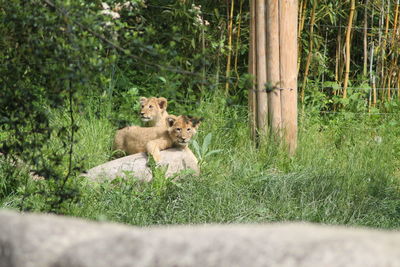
(162, 102)
(142, 100)
(171, 120)
(195, 121)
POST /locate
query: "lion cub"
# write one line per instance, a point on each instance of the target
(153, 111)
(135, 139)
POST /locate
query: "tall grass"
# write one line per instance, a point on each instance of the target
(344, 172)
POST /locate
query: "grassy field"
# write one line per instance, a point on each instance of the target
(346, 171)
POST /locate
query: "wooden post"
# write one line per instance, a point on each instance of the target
(253, 72)
(273, 75)
(288, 70)
(262, 105)
(273, 58)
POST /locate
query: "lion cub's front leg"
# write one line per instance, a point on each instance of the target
(155, 146)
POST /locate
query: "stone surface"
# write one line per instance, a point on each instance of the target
(51, 241)
(136, 165)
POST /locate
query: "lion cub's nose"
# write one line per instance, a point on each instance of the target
(141, 113)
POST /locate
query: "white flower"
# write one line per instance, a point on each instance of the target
(196, 8)
(105, 6)
(200, 21)
(113, 14)
(127, 5)
(117, 7)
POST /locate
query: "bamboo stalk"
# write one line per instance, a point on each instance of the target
(218, 67)
(203, 51)
(310, 50)
(381, 19)
(394, 67)
(288, 70)
(253, 71)
(365, 38)
(238, 42)
(398, 85)
(383, 51)
(395, 35)
(303, 7)
(262, 104)
(387, 19)
(396, 15)
(230, 34)
(325, 48)
(338, 56)
(371, 75)
(348, 35)
(302, 16)
(273, 71)
(374, 91)
(384, 91)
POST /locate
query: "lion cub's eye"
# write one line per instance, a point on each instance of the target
(178, 129)
(150, 106)
(188, 129)
(142, 106)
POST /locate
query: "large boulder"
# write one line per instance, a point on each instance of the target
(51, 241)
(136, 165)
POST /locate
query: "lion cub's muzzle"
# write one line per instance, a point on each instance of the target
(144, 118)
(183, 141)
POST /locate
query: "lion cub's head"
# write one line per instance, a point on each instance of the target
(152, 109)
(182, 128)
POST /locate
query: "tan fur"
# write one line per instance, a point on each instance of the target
(135, 139)
(153, 111)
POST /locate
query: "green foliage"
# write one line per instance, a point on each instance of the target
(204, 152)
(47, 60)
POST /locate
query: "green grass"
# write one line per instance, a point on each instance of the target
(341, 174)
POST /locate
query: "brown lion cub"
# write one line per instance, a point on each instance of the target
(135, 139)
(153, 111)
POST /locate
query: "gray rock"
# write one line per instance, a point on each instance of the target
(136, 165)
(51, 241)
